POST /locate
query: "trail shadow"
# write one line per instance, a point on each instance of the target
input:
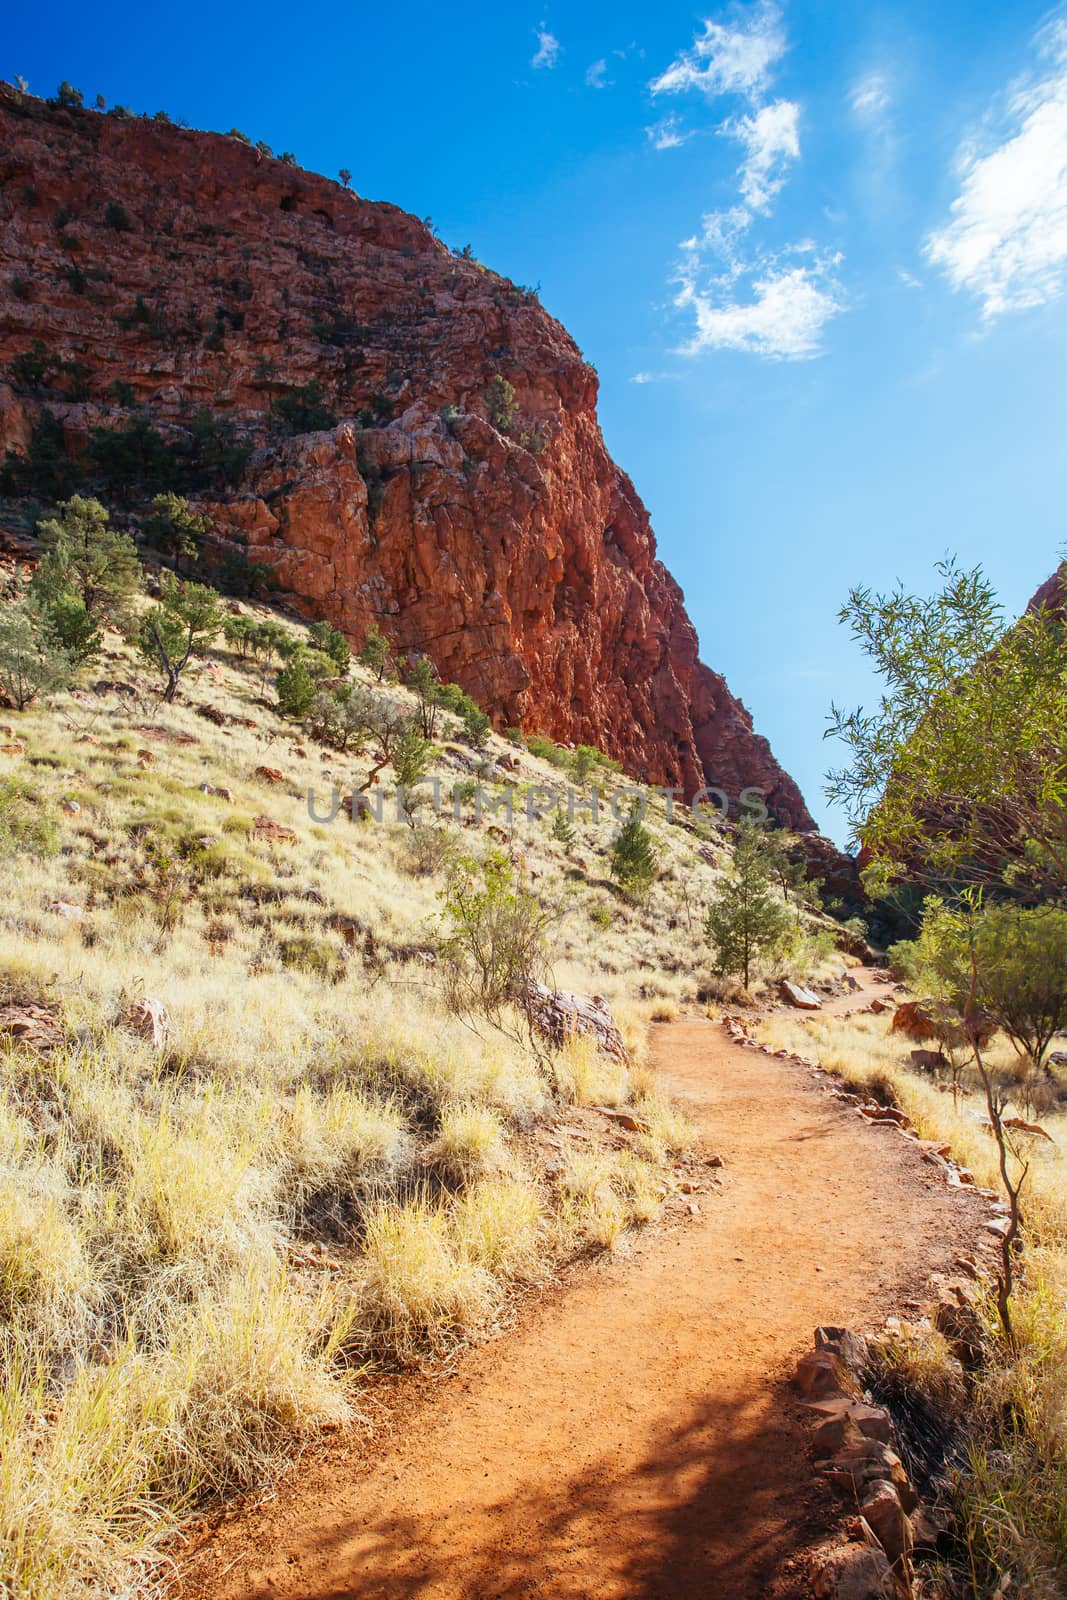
(713, 1513)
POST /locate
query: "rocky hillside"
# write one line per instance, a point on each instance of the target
(402, 436)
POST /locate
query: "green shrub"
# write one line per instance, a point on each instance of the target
(634, 861)
(23, 826)
(296, 688)
(115, 216)
(32, 663)
(500, 403)
(83, 555)
(303, 410)
(137, 455)
(316, 957)
(332, 643)
(68, 97)
(31, 368)
(46, 470)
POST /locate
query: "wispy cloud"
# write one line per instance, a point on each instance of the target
(668, 134)
(870, 98)
(741, 296)
(1006, 241)
(728, 59)
(771, 140)
(780, 315)
(548, 47)
(596, 75)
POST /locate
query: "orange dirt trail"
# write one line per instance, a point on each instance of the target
(632, 1436)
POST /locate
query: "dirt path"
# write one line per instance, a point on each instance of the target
(633, 1436)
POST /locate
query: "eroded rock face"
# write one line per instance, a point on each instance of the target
(185, 270)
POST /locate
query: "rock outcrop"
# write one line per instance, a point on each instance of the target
(423, 450)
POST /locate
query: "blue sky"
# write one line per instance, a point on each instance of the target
(816, 251)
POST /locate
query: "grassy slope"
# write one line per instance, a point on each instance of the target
(204, 1246)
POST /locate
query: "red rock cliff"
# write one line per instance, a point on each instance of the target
(178, 270)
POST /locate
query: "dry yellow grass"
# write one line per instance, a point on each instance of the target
(203, 1243)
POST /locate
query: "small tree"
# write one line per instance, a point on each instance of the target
(85, 556)
(411, 757)
(345, 176)
(32, 662)
(182, 625)
(634, 859)
(425, 685)
(332, 643)
(561, 830)
(979, 957)
(476, 726)
(73, 629)
(586, 759)
(493, 942)
(296, 687)
(746, 917)
(175, 528)
(375, 653)
(1021, 960)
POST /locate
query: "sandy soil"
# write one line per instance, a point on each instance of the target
(634, 1434)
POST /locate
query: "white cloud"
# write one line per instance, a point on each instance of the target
(596, 76)
(729, 60)
(771, 140)
(739, 296)
(908, 279)
(870, 98)
(782, 319)
(547, 52)
(668, 134)
(643, 377)
(1006, 241)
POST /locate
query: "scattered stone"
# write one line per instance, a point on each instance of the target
(862, 1462)
(71, 807)
(270, 775)
(961, 1325)
(273, 832)
(821, 1373)
(878, 1006)
(217, 792)
(34, 1026)
(558, 1015)
(857, 1572)
(876, 1113)
(714, 1161)
(798, 996)
(928, 1060)
(357, 806)
(843, 1420)
(882, 1510)
(212, 714)
(66, 909)
(632, 1124)
(922, 1020)
(929, 1527)
(148, 1018)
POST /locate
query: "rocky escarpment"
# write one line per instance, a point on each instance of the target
(422, 437)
